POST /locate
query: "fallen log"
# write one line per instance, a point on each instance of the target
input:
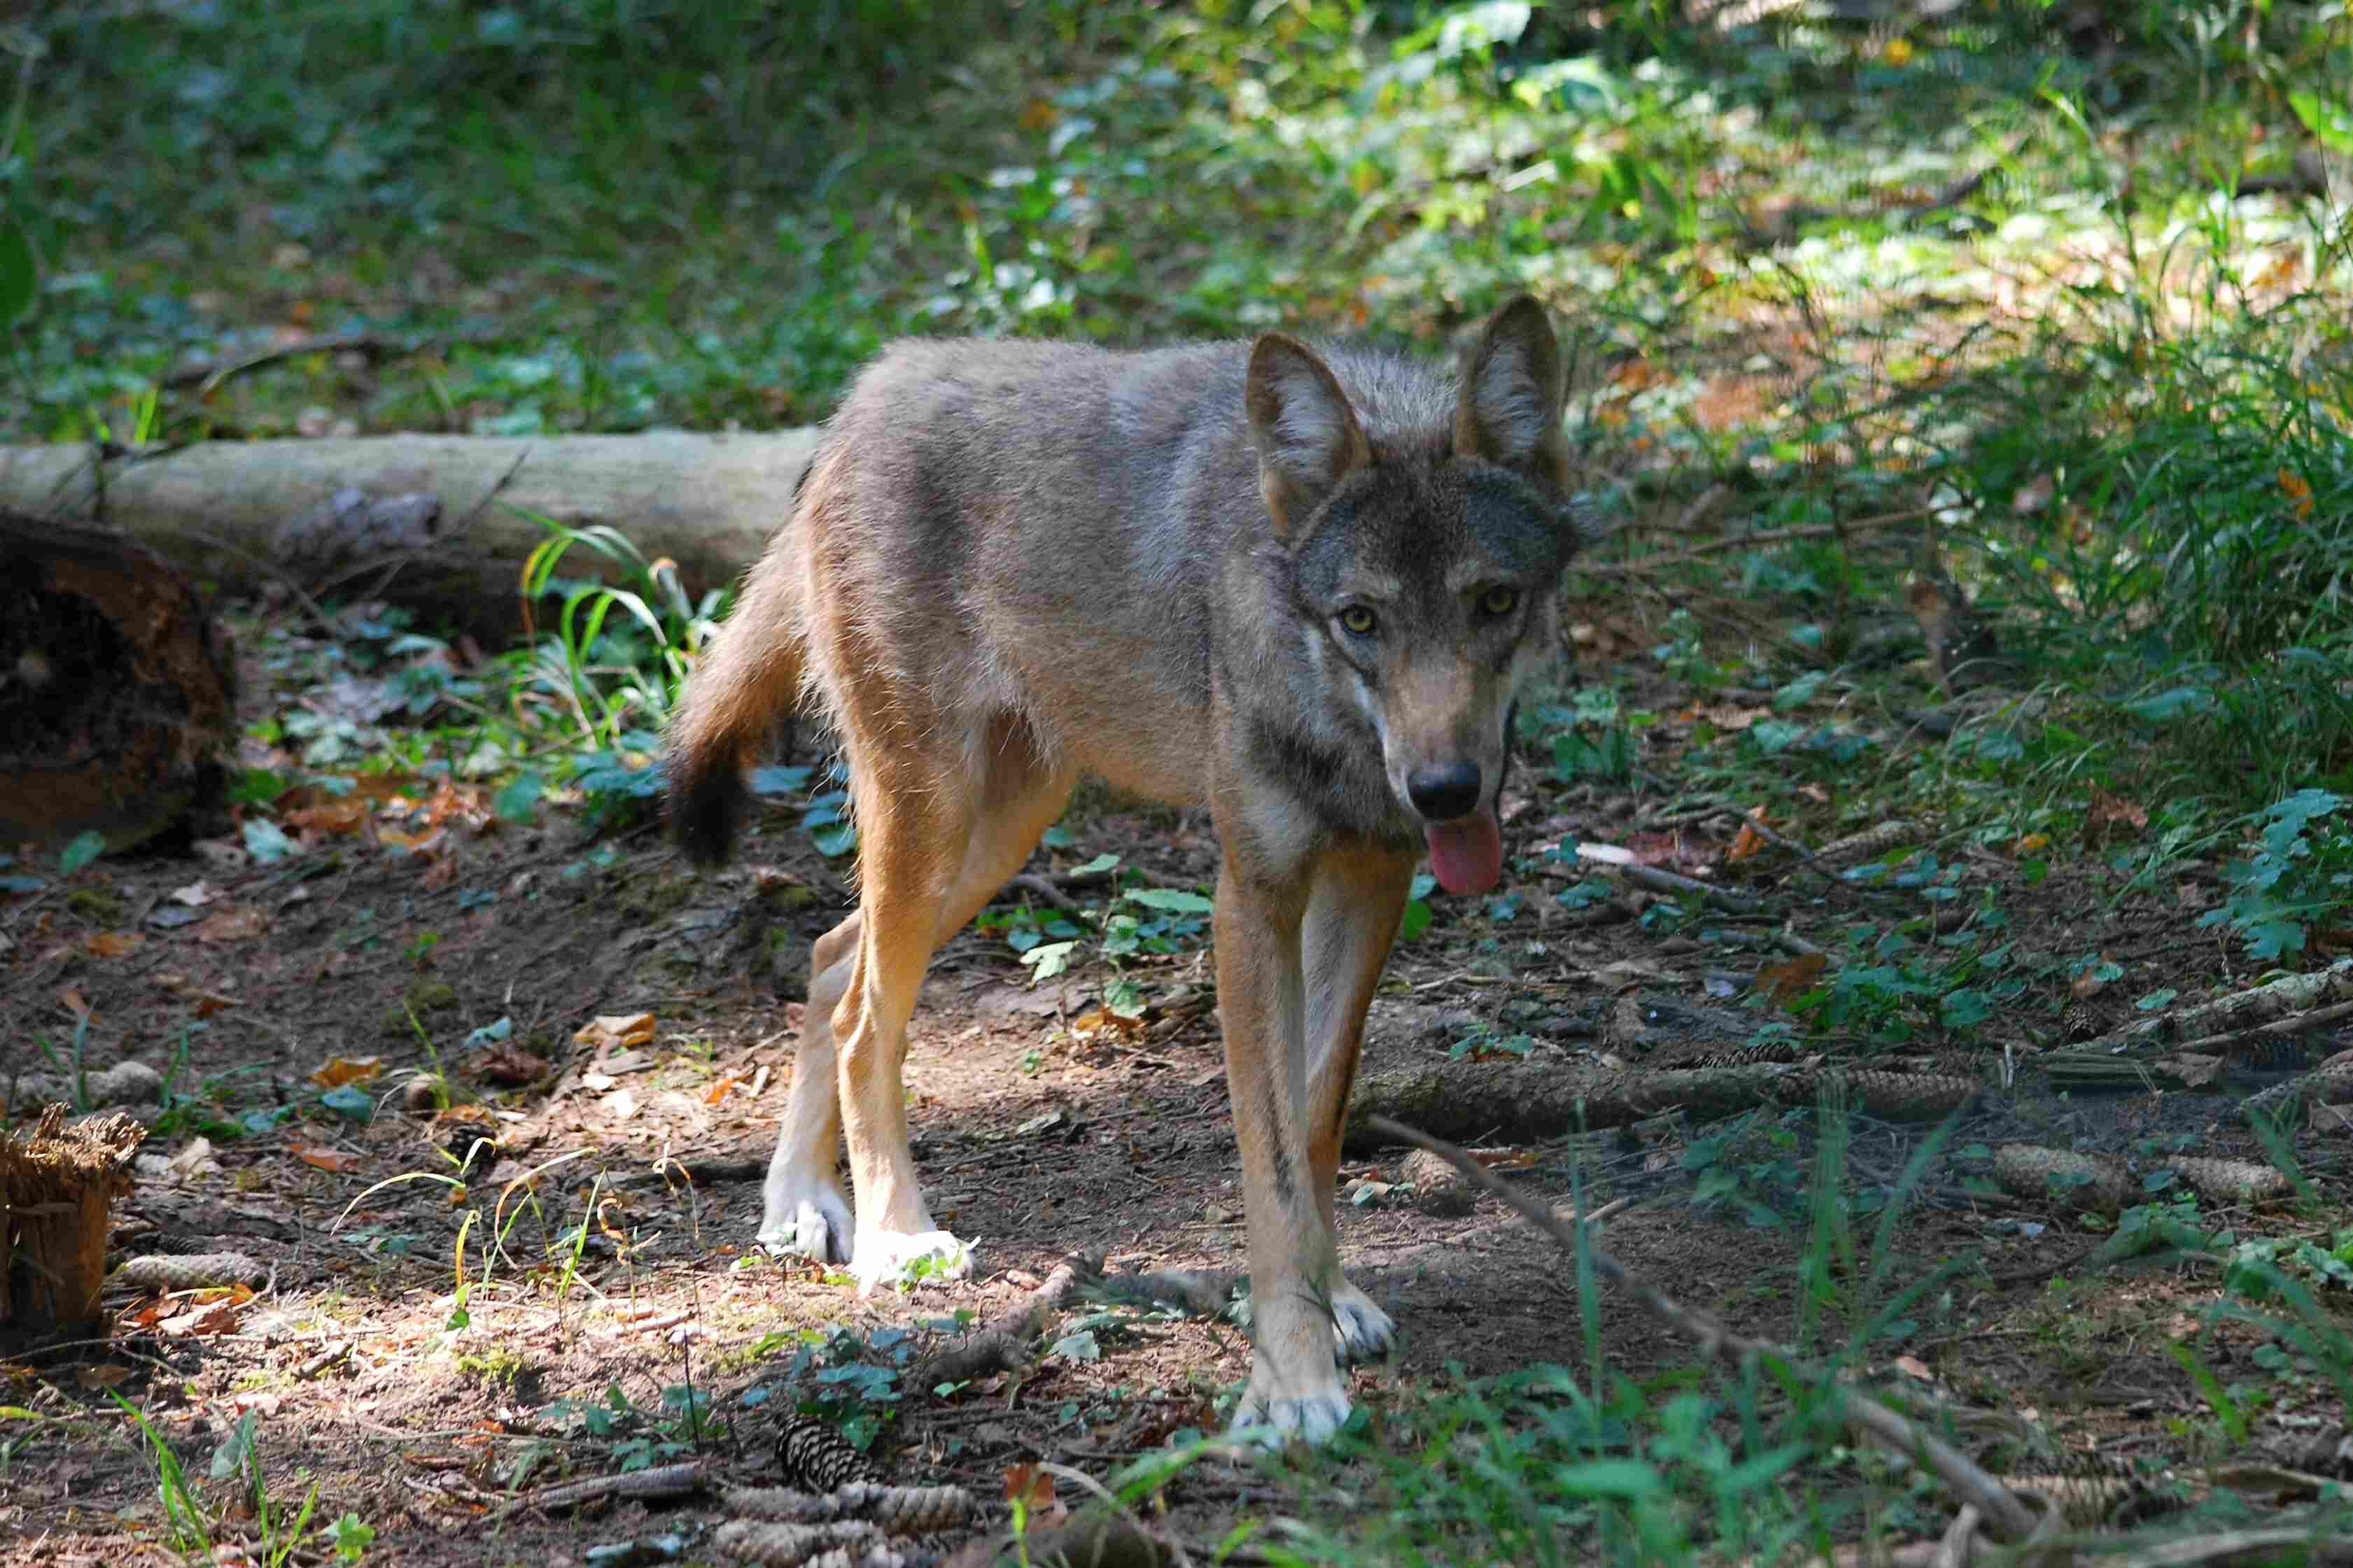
(117, 697)
(430, 522)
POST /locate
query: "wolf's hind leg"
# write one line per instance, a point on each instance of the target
(803, 1207)
(933, 849)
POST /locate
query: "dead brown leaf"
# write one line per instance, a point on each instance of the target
(427, 842)
(1672, 850)
(347, 814)
(607, 1030)
(239, 925)
(111, 944)
(2110, 812)
(439, 874)
(2195, 1069)
(74, 1002)
(318, 1156)
(212, 1317)
(1102, 1021)
(1788, 982)
(1033, 1488)
(337, 1071)
(507, 1064)
(1729, 716)
(466, 804)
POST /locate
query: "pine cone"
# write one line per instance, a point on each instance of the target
(2080, 1021)
(816, 1457)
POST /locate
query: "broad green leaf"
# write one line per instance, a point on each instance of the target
(266, 842)
(85, 849)
(1170, 900)
(519, 801)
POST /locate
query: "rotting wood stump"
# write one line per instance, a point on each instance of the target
(57, 1187)
(117, 691)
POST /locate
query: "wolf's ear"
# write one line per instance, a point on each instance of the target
(1512, 396)
(1307, 435)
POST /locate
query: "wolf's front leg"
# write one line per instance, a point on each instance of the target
(1356, 899)
(1295, 1387)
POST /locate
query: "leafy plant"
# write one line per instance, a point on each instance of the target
(613, 676)
(2301, 872)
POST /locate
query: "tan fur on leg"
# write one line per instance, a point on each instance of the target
(1355, 901)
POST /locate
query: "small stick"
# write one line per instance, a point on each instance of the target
(1003, 1345)
(1044, 891)
(668, 1480)
(2294, 1023)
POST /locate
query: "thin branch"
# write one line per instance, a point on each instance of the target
(1649, 564)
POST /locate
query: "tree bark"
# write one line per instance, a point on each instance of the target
(117, 693)
(425, 520)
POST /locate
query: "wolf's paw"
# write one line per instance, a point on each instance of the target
(891, 1257)
(1274, 1414)
(1364, 1333)
(813, 1223)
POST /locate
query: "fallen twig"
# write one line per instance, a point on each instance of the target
(1046, 892)
(2294, 1023)
(1621, 864)
(2297, 1543)
(1203, 1293)
(207, 375)
(664, 1481)
(1003, 1344)
(1663, 561)
(2294, 995)
(2013, 1521)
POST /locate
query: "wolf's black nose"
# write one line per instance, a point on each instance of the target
(1445, 791)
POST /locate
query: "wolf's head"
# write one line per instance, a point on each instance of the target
(1425, 560)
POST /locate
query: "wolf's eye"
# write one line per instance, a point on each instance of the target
(1497, 603)
(1356, 621)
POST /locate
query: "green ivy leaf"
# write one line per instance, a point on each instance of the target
(85, 849)
(1170, 900)
(351, 1103)
(266, 842)
(1417, 920)
(1048, 959)
(518, 802)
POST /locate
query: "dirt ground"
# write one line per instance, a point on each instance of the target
(414, 1324)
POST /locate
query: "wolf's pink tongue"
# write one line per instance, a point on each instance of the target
(1467, 854)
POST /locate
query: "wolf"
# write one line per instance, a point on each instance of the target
(1298, 587)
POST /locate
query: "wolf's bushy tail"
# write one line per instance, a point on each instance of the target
(750, 677)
